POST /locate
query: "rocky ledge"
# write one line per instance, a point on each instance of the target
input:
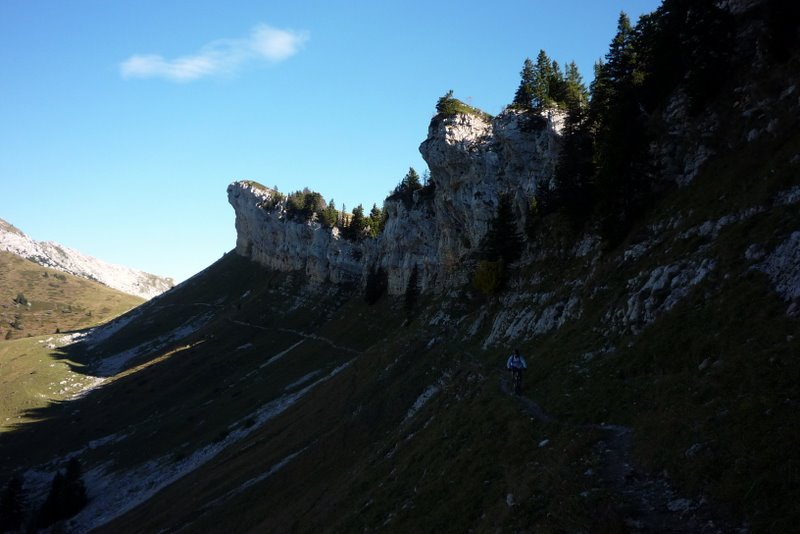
(473, 162)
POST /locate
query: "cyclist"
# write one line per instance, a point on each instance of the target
(516, 364)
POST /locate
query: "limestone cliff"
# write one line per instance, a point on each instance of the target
(268, 236)
(473, 162)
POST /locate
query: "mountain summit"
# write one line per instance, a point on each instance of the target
(50, 254)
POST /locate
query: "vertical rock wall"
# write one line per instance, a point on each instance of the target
(473, 162)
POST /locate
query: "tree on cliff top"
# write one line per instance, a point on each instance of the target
(544, 84)
(523, 99)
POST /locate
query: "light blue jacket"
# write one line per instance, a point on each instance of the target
(515, 362)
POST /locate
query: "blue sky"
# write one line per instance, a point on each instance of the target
(122, 123)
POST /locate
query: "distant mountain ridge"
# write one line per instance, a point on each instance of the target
(50, 254)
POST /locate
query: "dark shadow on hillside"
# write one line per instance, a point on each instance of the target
(164, 402)
(170, 320)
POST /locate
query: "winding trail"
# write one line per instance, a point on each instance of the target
(300, 334)
(649, 502)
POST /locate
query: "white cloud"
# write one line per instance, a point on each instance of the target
(264, 43)
(274, 44)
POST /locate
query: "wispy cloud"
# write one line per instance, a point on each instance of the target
(223, 56)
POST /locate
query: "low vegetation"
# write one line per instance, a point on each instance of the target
(36, 300)
(448, 105)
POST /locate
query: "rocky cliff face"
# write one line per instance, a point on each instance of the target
(49, 254)
(266, 235)
(473, 162)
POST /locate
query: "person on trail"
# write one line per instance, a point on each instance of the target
(516, 364)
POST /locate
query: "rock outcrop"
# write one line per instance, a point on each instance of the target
(473, 160)
(267, 235)
(53, 255)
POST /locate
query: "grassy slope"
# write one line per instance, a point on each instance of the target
(356, 461)
(469, 458)
(29, 377)
(57, 300)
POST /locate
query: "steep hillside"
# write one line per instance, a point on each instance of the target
(67, 260)
(266, 394)
(36, 300)
(41, 308)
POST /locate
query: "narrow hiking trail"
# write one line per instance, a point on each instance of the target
(299, 333)
(650, 504)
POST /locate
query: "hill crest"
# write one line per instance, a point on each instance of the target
(50, 254)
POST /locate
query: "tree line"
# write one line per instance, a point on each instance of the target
(605, 171)
(67, 497)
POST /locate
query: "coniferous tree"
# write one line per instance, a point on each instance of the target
(576, 96)
(375, 221)
(12, 505)
(542, 76)
(412, 291)
(620, 137)
(67, 495)
(411, 181)
(329, 215)
(523, 99)
(503, 239)
(405, 189)
(76, 489)
(358, 224)
(53, 508)
(556, 85)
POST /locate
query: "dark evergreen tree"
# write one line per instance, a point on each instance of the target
(329, 216)
(576, 96)
(620, 137)
(503, 239)
(541, 82)
(358, 225)
(523, 99)
(302, 205)
(67, 496)
(12, 505)
(405, 189)
(411, 181)
(76, 489)
(556, 84)
(375, 221)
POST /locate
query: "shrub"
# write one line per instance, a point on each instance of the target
(448, 106)
(21, 300)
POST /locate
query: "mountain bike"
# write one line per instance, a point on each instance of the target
(516, 375)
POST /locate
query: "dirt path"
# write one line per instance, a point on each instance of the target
(300, 334)
(649, 502)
